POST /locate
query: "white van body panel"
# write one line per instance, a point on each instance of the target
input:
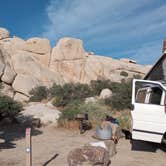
(148, 120)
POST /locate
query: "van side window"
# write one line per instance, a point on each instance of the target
(141, 94)
(155, 96)
(148, 93)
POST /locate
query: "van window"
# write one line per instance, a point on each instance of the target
(148, 93)
(155, 96)
(141, 94)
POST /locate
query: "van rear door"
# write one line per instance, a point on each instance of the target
(148, 113)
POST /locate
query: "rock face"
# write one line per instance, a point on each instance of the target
(26, 64)
(41, 47)
(68, 49)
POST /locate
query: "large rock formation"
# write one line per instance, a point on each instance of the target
(26, 64)
(70, 59)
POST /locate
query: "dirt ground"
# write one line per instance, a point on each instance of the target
(51, 146)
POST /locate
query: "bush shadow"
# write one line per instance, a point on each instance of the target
(14, 132)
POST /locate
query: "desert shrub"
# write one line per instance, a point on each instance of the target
(124, 119)
(137, 76)
(96, 111)
(124, 73)
(39, 93)
(98, 85)
(56, 90)
(64, 94)
(71, 110)
(9, 107)
(121, 98)
(115, 86)
(68, 92)
(58, 101)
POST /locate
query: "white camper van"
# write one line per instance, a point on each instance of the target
(149, 110)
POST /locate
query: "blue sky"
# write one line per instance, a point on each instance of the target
(116, 28)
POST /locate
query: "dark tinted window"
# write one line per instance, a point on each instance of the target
(155, 96)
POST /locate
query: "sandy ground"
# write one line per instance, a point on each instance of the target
(51, 146)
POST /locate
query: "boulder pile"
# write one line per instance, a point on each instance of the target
(27, 64)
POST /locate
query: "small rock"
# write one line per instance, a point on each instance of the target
(90, 100)
(90, 155)
(105, 93)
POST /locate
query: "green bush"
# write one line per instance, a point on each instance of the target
(58, 101)
(9, 107)
(64, 94)
(56, 90)
(68, 92)
(71, 110)
(124, 119)
(96, 111)
(98, 85)
(137, 76)
(124, 73)
(39, 93)
(121, 98)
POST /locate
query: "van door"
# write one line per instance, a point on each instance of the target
(148, 113)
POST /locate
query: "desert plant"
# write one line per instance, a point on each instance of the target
(124, 119)
(121, 98)
(98, 85)
(56, 90)
(39, 93)
(96, 111)
(68, 92)
(124, 73)
(71, 110)
(137, 76)
(58, 101)
(9, 107)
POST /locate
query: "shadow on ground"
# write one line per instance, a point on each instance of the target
(14, 132)
(147, 146)
(137, 145)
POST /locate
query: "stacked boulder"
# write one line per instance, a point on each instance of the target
(24, 64)
(27, 64)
